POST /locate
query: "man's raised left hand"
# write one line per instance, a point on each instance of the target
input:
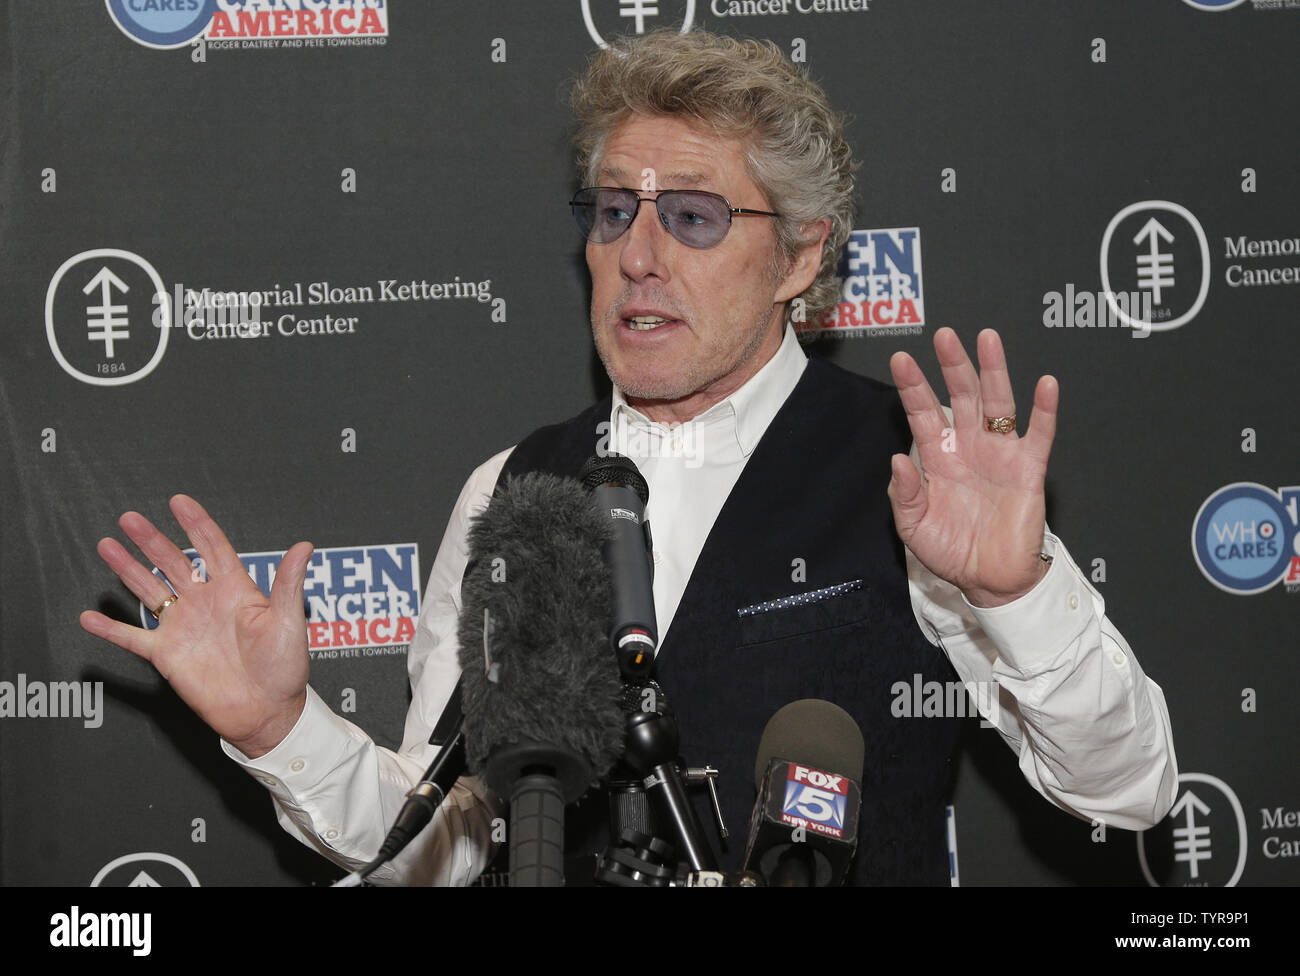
(976, 518)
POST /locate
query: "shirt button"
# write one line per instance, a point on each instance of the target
(269, 780)
(1073, 602)
(1118, 657)
(331, 834)
(298, 765)
(655, 555)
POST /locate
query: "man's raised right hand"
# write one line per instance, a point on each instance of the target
(234, 656)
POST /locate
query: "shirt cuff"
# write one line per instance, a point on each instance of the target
(315, 745)
(1031, 632)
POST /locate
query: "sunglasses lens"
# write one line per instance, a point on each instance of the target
(694, 218)
(603, 214)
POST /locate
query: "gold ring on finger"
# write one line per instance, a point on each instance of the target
(157, 614)
(1001, 425)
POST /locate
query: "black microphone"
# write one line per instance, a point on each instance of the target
(804, 829)
(540, 692)
(620, 494)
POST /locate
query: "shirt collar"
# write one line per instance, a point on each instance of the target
(752, 407)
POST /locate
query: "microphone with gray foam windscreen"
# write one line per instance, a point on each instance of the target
(540, 690)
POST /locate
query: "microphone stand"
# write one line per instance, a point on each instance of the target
(650, 767)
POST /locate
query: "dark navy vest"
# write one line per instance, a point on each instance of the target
(809, 512)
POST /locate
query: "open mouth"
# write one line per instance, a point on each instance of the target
(646, 323)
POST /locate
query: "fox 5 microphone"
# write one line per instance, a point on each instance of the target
(804, 829)
(540, 691)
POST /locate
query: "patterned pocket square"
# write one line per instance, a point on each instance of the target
(801, 599)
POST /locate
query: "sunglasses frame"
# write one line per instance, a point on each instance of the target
(575, 203)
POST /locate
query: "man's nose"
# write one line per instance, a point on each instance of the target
(645, 245)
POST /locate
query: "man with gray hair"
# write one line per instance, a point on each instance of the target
(740, 174)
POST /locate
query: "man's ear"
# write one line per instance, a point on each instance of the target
(807, 261)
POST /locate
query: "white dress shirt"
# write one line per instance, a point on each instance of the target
(1090, 729)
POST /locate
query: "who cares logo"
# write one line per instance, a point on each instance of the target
(99, 317)
(1202, 840)
(1246, 538)
(162, 24)
(881, 290)
(612, 17)
(1158, 250)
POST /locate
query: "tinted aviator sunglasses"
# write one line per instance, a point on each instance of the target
(694, 217)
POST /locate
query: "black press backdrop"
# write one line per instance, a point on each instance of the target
(397, 187)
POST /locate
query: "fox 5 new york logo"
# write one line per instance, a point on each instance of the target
(1246, 538)
(815, 799)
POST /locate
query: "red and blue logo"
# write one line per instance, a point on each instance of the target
(176, 23)
(881, 290)
(358, 596)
